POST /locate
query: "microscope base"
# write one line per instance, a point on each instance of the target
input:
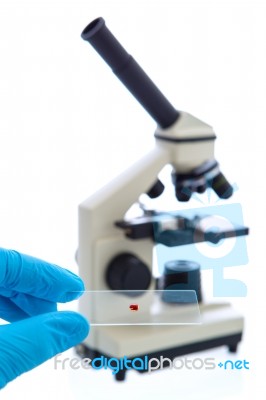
(231, 341)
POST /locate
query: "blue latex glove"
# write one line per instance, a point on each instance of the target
(29, 291)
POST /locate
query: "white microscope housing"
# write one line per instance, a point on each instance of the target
(106, 236)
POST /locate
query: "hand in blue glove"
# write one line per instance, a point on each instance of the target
(29, 291)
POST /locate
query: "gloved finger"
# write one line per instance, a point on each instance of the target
(9, 311)
(32, 305)
(38, 278)
(26, 344)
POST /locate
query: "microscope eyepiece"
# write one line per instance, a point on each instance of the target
(130, 73)
(93, 27)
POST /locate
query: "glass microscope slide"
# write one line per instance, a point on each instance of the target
(138, 307)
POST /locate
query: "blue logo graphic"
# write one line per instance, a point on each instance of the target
(234, 365)
(213, 238)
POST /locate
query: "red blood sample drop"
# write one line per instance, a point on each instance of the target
(134, 307)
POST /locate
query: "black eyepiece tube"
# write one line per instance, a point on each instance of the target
(130, 73)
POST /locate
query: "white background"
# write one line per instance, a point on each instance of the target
(67, 126)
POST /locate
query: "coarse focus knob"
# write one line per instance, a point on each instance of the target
(156, 190)
(127, 272)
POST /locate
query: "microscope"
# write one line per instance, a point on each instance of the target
(116, 252)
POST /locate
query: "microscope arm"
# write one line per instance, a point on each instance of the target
(112, 201)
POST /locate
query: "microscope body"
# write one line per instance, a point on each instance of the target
(187, 144)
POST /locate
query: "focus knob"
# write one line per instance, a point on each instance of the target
(128, 272)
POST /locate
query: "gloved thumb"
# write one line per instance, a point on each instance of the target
(27, 343)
